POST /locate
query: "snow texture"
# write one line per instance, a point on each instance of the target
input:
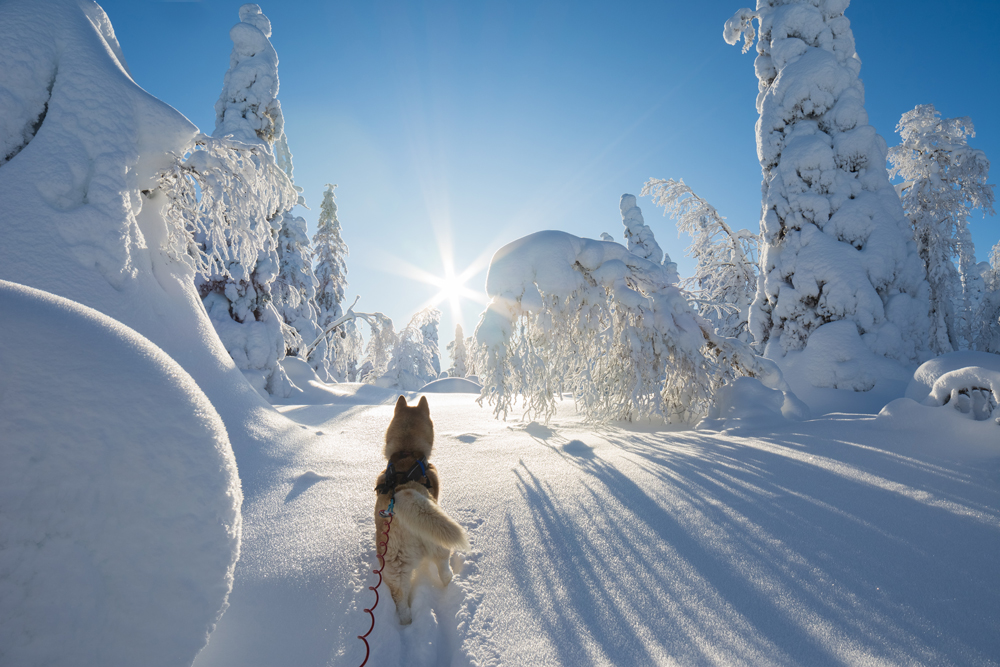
(119, 497)
(986, 330)
(248, 108)
(929, 372)
(639, 237)
(837, 247)
(746, 403)
(459, 354)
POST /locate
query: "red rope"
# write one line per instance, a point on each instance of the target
(381, 559)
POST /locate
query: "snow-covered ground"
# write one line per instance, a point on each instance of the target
(847, 539)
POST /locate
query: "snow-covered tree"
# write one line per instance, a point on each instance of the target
(837, 247)
(428, 320)
(294, 291)
(379, 350)
(248, 107)
(985, 332)
(725, 278)
(338, 354)
(457, 352)
(944, 180)
(638, 235)
(222, 197)
(239, 297)
(588, 317)
(411, 365)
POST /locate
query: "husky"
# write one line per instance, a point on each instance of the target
(420, 529)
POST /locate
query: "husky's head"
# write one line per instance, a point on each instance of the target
(411, 429)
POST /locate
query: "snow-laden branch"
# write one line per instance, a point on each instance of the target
(221, 197)
(741, 23)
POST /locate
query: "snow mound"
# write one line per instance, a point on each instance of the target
(451, 386)
(747, 402)
(960, 389)
(119, 496)
(928, 373)
(972, 391)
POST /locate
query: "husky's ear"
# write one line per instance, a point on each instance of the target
(400, 404)
(423, 406)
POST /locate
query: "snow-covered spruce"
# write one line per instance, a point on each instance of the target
(239, 299)
(336, 356)
(836, 244)
(944, 180)
(457, 351)
(294, 291)
(588, 317)
(119, 497)
(725, 278)
(415, 359)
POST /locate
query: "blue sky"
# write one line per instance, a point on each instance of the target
(453, 128)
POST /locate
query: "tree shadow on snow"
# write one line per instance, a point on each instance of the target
(797, 549)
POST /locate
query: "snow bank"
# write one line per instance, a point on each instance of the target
(960, 389)
(929, 372)
(451, 386)
(119, 498)
(746, 402)
(82, 216)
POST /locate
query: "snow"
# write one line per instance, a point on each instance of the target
(119, 496)
(746, 402)
(838, 540)
(452, 386)
(77, 224)
(929, 372)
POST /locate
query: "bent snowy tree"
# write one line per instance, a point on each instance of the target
(725, 278)
(591, 318)
(837, 250)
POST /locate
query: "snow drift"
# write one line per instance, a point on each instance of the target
(82, 215)
(119, 498)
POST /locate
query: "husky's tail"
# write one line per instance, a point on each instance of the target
(421, 515)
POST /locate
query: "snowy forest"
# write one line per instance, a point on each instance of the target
(788, 456)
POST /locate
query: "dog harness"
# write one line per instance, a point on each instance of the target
(394, 478)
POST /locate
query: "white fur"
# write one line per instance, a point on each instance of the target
(425, 518)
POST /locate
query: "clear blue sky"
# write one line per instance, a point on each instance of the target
(469, 124)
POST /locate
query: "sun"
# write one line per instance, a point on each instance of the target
(452, 289)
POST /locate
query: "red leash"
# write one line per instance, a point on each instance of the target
(381, 559)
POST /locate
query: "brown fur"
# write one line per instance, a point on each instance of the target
(420, 528)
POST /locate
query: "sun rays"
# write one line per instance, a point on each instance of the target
(451, 285)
